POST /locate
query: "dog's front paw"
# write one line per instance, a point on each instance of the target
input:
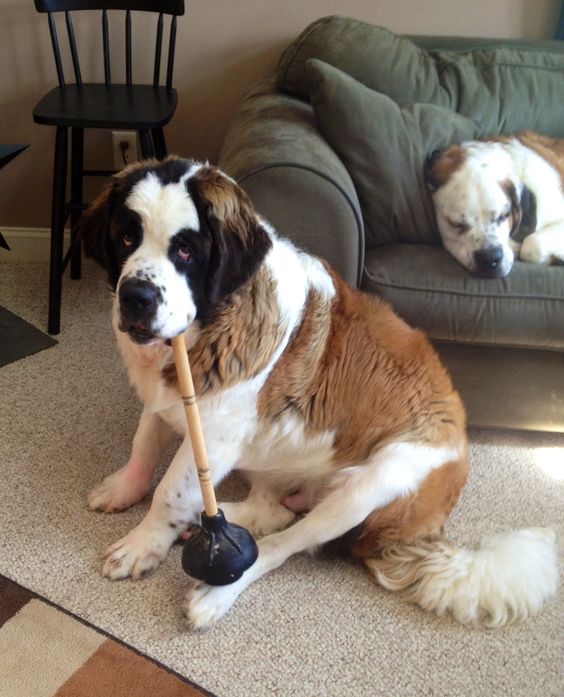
(259, 521)
(533, 250)
(119, 491)
(204, 605)
(137, 554)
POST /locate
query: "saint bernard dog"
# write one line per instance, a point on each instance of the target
(500, 199)
(339, 414)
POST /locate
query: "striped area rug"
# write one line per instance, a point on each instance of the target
(46, 652)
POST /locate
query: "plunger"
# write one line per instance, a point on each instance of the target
(217, 552)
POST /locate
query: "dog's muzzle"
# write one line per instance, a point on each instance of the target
(138, 305)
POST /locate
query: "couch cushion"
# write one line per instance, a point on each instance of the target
(505, 86)
(383, 148)
(430, 290)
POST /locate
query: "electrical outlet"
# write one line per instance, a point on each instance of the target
(124, 148)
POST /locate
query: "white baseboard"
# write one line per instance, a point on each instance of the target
(30, 244)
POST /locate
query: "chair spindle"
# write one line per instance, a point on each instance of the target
(171, 47)
(128, 48)
(105, 37)
(158, 51)
(56, 51)
(74, 53)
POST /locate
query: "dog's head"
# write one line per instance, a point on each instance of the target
(176, 238)
(483, 211)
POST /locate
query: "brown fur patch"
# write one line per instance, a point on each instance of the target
(441, 167)
(93, 224)
(420, 515)
(287, 385)
(355, 368)
(239, 340)
(227, 201)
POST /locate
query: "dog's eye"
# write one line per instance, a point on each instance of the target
(461, 227)
(127, 241)
(503, 217)
(183, 252)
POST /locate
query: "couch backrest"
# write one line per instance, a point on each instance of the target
(505, 85)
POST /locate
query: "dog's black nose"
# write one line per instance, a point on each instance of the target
(488, 260)
(137, 298)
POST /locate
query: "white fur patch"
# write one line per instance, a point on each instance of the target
(474, 196)
(507, 579)
(295, 274)
(164, 210)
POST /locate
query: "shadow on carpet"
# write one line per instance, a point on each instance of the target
(19, 339)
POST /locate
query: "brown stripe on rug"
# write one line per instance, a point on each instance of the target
(115, 670)
(47, 652)
(12, 598)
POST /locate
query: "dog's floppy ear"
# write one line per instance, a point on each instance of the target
(94, 226)
(523, 210)
(440, 164)
(239, 241)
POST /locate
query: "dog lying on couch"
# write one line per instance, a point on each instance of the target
(340, 414)
(500, 199)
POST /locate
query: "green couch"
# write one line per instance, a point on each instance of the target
(331, 150)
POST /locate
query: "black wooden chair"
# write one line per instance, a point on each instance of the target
(145, 108)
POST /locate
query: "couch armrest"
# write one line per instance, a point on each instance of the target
(295, 180)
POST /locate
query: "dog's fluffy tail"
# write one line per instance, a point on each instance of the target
(507, 579)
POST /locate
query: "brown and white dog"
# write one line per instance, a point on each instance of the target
(328, 402)
(500, 199)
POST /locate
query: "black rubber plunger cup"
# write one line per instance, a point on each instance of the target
(217, 552)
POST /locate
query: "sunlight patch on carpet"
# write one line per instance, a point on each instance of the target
(550, 461)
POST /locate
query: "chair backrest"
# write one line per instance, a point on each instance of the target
(174, 8)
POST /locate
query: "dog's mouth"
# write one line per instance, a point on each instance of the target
(139, 333)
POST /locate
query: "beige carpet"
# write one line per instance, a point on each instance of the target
(315, 626)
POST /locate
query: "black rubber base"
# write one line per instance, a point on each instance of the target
(218, 552)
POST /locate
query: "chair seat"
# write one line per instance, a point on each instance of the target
(102, 106)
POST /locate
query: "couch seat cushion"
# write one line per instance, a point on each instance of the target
(430, 290)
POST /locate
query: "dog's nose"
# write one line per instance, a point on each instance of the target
(488, 259)
(138, 297)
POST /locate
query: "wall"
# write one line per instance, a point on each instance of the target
(223, 47)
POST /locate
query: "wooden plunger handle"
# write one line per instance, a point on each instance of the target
(186, 385)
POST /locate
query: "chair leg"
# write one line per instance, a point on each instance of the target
(147, 147)
(77, 167)
(57, 229)
(159, 141)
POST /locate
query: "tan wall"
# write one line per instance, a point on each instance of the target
(223, 46)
